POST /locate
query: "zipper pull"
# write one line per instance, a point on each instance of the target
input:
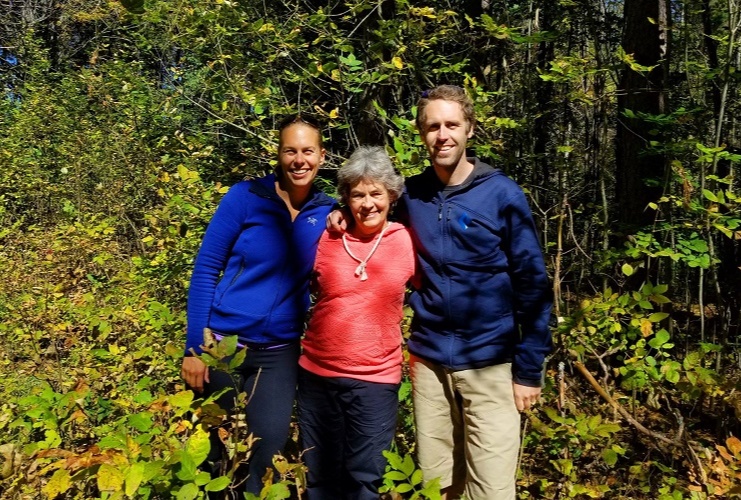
(440, 212)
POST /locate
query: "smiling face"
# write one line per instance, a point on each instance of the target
(369, 203)
(445, 132)
(300, 153)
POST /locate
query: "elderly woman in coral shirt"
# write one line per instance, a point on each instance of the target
(351, 362)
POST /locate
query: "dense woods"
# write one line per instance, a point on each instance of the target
(122, 124)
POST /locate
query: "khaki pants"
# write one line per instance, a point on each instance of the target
(468, 428)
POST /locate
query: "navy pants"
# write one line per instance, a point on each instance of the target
(345, 424)
(270, 399)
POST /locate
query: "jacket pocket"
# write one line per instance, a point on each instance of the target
(473, 238)
(226, 283)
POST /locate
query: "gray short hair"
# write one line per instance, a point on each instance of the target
(369, 163)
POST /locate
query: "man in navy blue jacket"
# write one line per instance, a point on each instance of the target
(481, 306)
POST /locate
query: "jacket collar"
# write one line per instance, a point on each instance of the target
(265, 187)
(480, 171)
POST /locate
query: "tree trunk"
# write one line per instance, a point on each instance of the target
(544, 117)
(640, 173)
(368, 126)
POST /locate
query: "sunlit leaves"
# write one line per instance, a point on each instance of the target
(181, 400)
(134, 478)
(403, 477)
(109, 478)
(198, 446)
(217, 484)
(656, 317)
(188, 492)
(59, 483)
(627, 269)
(631, 62)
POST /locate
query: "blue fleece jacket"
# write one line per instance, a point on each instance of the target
(482, 296)
(251, 275)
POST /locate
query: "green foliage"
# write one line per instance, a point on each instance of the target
(147, 446)
(403, 477)
(571, 442)
(136, 449)
(122, 124)
(626, 325)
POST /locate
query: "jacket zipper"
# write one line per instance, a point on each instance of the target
(310, 205)
(443, 273)
(239, 273)
(232, 281)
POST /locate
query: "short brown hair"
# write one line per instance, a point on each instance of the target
(446, 93)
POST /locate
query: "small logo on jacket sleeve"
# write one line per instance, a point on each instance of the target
(312, 221)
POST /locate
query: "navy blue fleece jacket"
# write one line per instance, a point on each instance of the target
(251, 275)
(482, 295)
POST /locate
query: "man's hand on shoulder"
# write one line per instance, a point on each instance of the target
(337, 221)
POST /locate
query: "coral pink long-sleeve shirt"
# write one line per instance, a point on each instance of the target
(355, 330)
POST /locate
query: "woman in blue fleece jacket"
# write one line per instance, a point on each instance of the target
(251, 280)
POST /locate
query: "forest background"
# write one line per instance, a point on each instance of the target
(122, 124)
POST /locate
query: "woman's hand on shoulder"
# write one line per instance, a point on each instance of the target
(194, 372)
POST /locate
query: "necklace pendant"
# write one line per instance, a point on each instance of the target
(360, 271)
